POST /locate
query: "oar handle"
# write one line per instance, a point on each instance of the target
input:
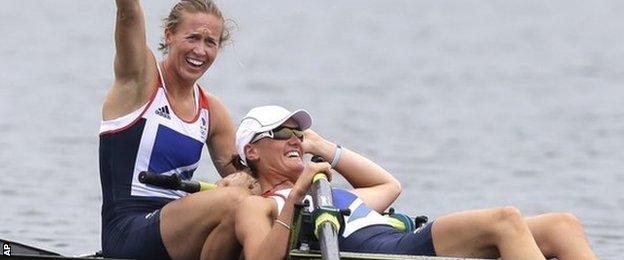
(319, 176)
(174, 182)
(324, 211)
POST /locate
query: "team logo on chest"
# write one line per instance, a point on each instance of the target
(164, 112)
(203, 128)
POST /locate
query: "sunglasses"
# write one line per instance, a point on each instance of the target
(280, 133)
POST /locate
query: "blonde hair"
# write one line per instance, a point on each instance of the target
(172, 21)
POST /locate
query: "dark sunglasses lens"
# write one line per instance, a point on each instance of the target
(286, 133)
(298, 134)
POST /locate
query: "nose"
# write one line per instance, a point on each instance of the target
(199, 49)
(294, 140)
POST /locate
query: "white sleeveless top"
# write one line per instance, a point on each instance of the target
(167, 144)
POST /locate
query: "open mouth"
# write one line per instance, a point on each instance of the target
(194, 62)
(293, 154)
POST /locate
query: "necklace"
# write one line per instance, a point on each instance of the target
(272, 190)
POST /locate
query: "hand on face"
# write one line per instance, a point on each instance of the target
(311, 141)
(240, 179)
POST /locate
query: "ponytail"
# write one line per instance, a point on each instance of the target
(237, 162)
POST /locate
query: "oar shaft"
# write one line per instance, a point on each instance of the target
(329, 248)
(327, 231)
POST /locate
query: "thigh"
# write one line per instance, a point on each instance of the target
(465, 234)
(136, 236)
(384, 239)
(558, 233)
(418, 242)
(187, 222)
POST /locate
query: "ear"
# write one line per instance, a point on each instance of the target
(251, 153)
(168, 36)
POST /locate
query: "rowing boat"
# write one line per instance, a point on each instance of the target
(16, 250)
(305, 255)
(298, 249)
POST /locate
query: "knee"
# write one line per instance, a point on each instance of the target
(235, 194)
(508, 215)
(508, 221)
(566, 222)
(556, 230)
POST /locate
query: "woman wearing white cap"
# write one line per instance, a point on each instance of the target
(271, 141)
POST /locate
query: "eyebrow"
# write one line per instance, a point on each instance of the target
(198, 32)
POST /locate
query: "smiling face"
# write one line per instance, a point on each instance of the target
(194, 44)
(284, 157)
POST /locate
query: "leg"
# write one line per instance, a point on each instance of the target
(560, 235)
(485, 233)
(202, 225)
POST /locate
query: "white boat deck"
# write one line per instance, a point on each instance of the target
(297, 254)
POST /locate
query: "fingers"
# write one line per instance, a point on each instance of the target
(310, 141)
(305, 179)
(309, 133)
(240, 179)
(255, 188)
(222, 183)
(321, 167)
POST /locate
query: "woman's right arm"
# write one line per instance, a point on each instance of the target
(256, 231)
(130, 41)
(256, 228)
(133, 62)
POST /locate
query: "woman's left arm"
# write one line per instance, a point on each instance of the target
(221, 138)
(372, 183)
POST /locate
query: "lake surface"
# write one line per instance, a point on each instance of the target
(470, 104)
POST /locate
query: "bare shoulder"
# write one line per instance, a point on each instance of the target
(128, 94)
(219, 114)
(216, 106)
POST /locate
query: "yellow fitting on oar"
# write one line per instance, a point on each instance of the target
(319, 176)
(325, 217)
(396, 223)
(203, 186)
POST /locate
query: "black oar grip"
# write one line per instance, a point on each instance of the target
(173, 182)
(164, 181)
(190, 186)
(317, 159)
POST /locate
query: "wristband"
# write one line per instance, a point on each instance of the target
(279, 221)
(337, 154)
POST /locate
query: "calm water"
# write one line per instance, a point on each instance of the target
(470, 104)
